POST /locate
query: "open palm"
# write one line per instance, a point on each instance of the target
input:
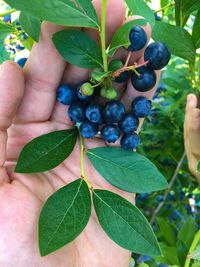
(28, 109)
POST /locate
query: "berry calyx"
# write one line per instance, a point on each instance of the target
(138, 38)
(129, 124)
(130, 142)
(158, 56)
(110, 133)
(87, 89)
(145, 81)
(114, 111)
(141, 107)
(66, 95)
(88, 130)
(94, 113)
(76, 112)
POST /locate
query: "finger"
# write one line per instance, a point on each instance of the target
(11, 93)
(43, 73)
(74, 75)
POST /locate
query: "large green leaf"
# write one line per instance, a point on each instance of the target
(62, 12)
(5, 30)
(128, 171)
(46, 152)
(78, 48)
(124, 223)
(4, 55)
(31, 25)
(167, 231)
(190, 6)
(177, 39)
(121, 36)
(196, 30)
(64, 216)
(139, 7)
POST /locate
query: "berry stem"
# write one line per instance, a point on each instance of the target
(128, 59)
(7, 12)
(127, 68)
(82, 153)
(165, 7)
(192, 248)
(103, 35)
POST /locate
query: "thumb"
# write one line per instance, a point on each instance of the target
(11, 93)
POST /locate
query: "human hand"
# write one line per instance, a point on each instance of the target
(23, 195)
(192, 134)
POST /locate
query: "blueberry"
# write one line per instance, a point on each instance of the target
(76, 112)
(21, 62)
(7, 18)
(19, 47)
(123, 77)
(94, 113)
(158, 56)
(82, 97)
(24, 36)
(138, 38)
(66, 95)
(157, 17)
(141, 107)
(110, 133)
(160, 198)
(88, 129)
(129, 124)
(145, 81)
(130, 142)
(114, 111)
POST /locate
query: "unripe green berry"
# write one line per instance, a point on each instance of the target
(111, 94)
(115, 64)
(87, 89)
(103, 91)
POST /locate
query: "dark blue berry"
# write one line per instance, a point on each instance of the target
(145, 81)
(94, 113)
(129, 124)
(88, 129)
(19, 47)
(82, 97)
(123, 77)
(76, 112)
(24, 36)
(157, 17)
(110, 133)
(130, 142)
(160, 198)
(141, 107)
(7, 18)
(21, 62)
(138, 38)
(66, 95)
(114, 111)
(158, 56)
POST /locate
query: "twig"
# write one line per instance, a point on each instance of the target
(159, 207)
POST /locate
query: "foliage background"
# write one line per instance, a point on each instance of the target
(162, 142)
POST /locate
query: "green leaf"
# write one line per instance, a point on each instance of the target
(190, 6)
(128, 171)
(177, 39)
(121, 36)
(78, 48)
(62, 12)
(28, 43)
(196, 253)
(31, 25)
(64, 216)
(195, 32)
(98, 74)
(169, 254)
(4, 55)
(124, 223)
(167, 231)
(46, 152)
(139, 7)
(5, 30)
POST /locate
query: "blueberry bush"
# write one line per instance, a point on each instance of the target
(163, 228)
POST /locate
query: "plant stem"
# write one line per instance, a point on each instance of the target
(82, 150)
(165, 7)
(7, 12)
(103, 35)
(192, 248)
(159, 207)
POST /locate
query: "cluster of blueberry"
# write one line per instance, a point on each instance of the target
(111, 120)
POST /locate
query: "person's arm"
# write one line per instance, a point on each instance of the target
(192, 134)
